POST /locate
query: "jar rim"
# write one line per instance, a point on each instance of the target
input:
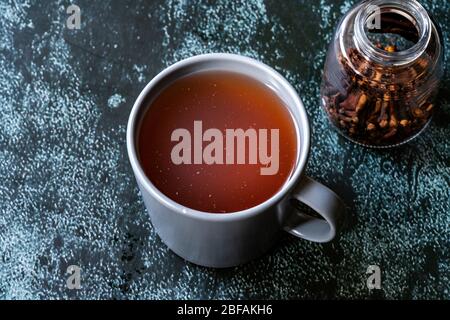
(412, 10)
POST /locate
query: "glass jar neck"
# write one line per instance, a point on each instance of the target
(370, 15)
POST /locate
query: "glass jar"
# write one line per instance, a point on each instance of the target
(382, 72)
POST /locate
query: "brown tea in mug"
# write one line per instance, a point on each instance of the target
(217, 142)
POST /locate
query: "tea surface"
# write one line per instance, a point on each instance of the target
(223, 101)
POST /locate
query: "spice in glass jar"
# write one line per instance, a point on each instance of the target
(382, 72)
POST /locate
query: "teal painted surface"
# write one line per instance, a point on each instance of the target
(68, 195)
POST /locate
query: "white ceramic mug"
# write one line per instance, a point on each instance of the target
(226, 240)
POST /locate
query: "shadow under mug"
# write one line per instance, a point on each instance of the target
(226, 240)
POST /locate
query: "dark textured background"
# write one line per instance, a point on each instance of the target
(68, 195)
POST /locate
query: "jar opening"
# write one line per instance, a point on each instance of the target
(392, 31)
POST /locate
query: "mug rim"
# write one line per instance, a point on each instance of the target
(303, 142)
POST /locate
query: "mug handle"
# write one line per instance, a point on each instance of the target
(322, 200)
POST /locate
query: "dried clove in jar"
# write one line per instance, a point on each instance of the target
(377, 91)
